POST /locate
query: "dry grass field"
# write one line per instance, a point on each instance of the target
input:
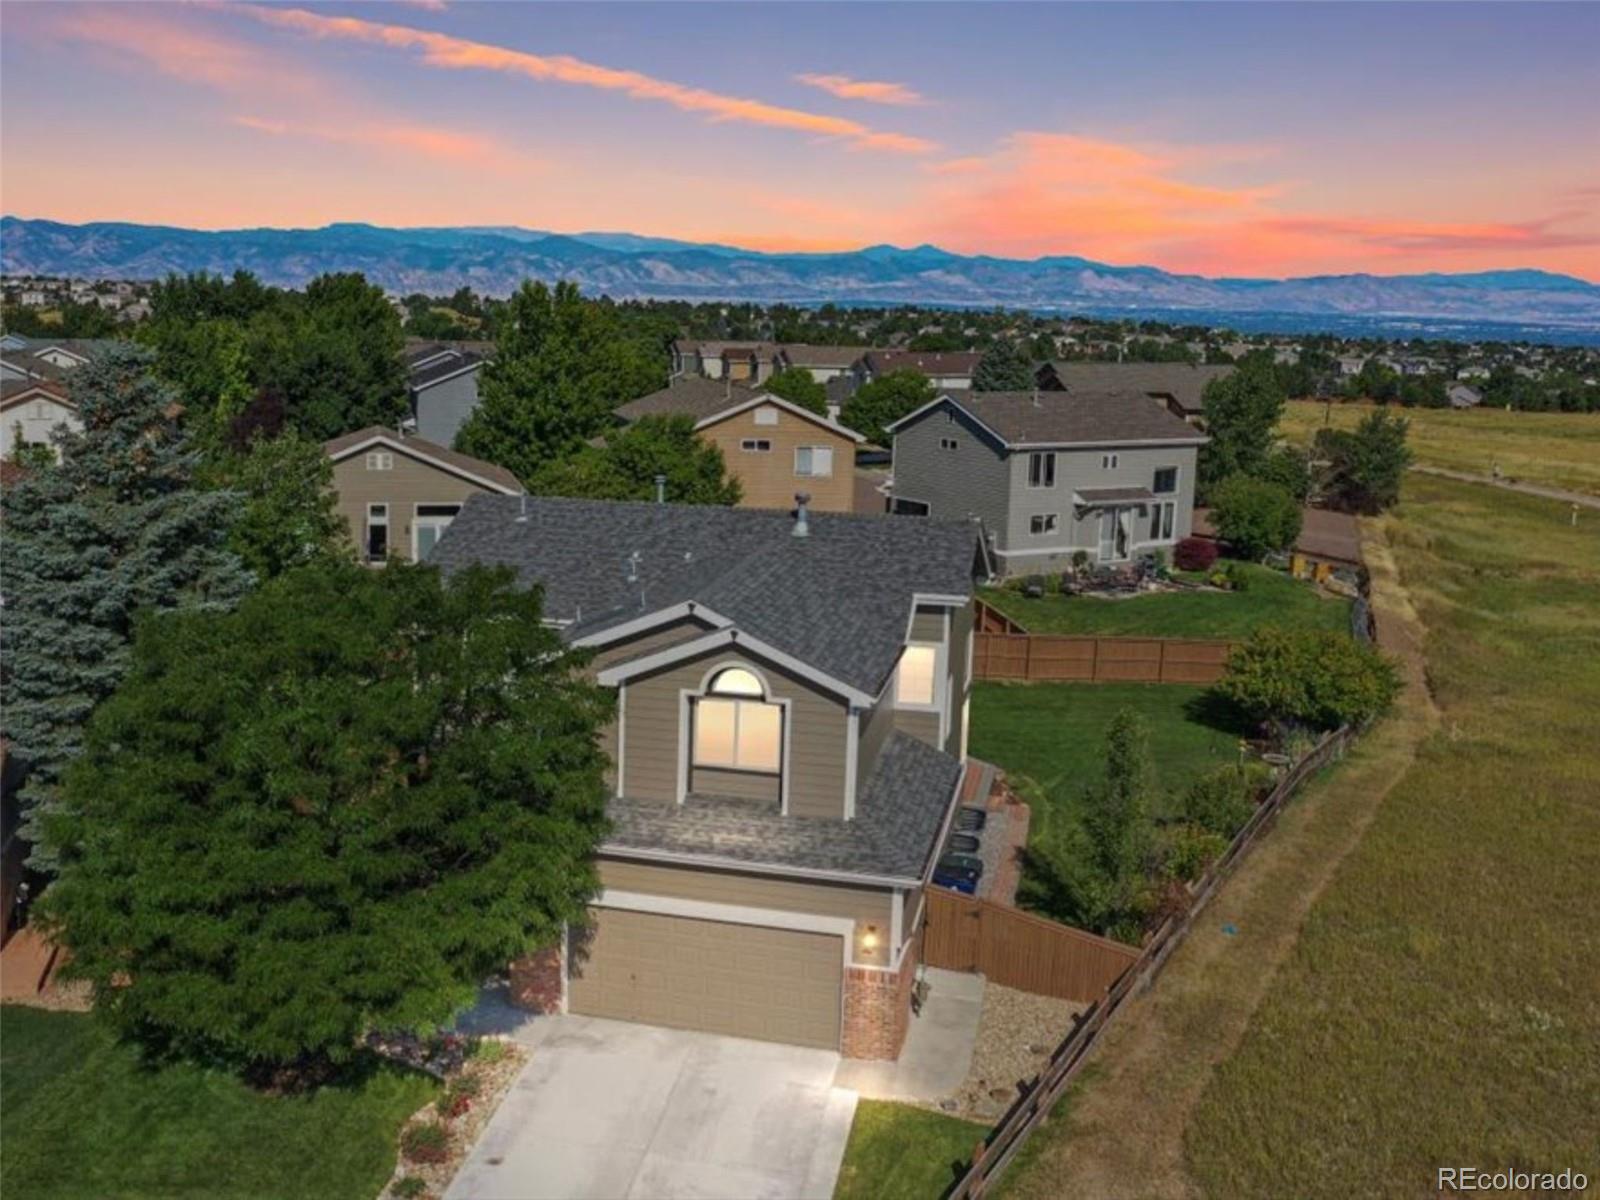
(1557, 449)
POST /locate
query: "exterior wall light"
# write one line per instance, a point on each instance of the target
(869, 939)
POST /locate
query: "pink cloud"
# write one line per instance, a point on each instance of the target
(444, 50)
(446, 144)
(870, 90)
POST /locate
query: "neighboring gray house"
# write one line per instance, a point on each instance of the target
(1179, 386)
(1462, 395)
(787, 754)
(443, 381)
(1050, 473)
(30, 359)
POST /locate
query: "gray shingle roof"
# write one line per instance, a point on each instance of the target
(691, 396)
(838, 600)
(1184, 383)
(929, 362)
(442, 366)
(339, 446)
(1075, 418)
(802, 354)
(898, 818)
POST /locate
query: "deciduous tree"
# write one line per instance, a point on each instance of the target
(1241, 413)
(625, 468)
(884, 401)
(796, 386)
(1365, 466)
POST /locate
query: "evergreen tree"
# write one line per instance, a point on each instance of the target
(561, 366)
(1003, 368)
(118, 527)
(1241, 415)
(334, 809)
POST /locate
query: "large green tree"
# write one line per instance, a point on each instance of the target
(561, 365)
(1255, 516)
(120, 526)
(1003, 368)
(626, 466)
(1363, 467)
(881, 403)
(1241, 414)
(288, 514)
(798, 387)
(335, 809)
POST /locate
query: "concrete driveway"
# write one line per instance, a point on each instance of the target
(608, 1110)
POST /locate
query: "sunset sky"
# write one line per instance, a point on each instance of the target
(1223, 139)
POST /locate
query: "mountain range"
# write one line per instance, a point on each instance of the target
(495, 260)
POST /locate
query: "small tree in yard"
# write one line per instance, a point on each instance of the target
(1194, 554)
(1254, 517)
(1365, 465)
(1309, 678)
(120, 526)
(336, 808)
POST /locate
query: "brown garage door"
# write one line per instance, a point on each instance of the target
(779, 985)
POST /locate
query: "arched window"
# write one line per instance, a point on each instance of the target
(735, 727)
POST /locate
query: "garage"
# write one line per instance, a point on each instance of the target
(753, 981)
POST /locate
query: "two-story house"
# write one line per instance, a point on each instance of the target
(1050, 473)
(442, 378)
(740, 362)
(945, 369)
(1179, 386)
(398, 492)
(789, 743)
(772, 447)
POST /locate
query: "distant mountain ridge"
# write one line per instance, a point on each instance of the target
(494, 259)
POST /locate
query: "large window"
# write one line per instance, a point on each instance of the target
(1042, 469)
(1166, 481)
(735, 728)
(1161, 518)
(917, 680)
(429, 525)
(813, 462)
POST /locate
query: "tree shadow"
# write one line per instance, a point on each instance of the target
(1215, 711)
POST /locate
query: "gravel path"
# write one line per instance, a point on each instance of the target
(1016, 1034)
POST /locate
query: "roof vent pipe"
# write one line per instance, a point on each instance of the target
(522, 509)
(661, 489)
(802, 527)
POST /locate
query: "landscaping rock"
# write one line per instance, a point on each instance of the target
(1016, 1032)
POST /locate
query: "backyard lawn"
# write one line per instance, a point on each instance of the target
(899, 1152)
(1054, 733)
(1271, 598)
(81, 1115)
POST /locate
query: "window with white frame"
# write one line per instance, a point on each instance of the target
(1108, 462)
(755, 445)
(380, 460)
(376, 541)
(813, 462)
(735, 727)
(917, 680)
(766, 415)
(1165, 482)
(1162, 515)
(1042, 523)
(947, 443)
(428, 526)
(1042, 469)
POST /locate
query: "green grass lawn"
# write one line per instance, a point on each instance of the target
(1272, 598)
(1440, 1006)
(82, 1116)
(899, 1152)
(1054, 734)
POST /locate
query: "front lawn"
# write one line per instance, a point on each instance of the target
(1054, 734)
(81, 1115)
(900, 1152)
(1270, 598)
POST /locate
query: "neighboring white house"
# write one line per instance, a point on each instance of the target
(29, 411)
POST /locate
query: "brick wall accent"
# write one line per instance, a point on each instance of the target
(877, 1008)
(537, 981)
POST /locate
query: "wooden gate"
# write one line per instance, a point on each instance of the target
(1019, 950)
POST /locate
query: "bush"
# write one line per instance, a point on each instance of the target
(489, 1051)
(1187, 850)
(409, 1188)
(1222, 800)
(459, 1094)
(1194, 554)
(1313, 678)
(427, 1142)
(1254, 517)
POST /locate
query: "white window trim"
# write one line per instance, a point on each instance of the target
(417, 518)
(1177, 481)
(366, 533)
(754, 445)
(622, 741)
(1050, 532)
(813, 474)
(941, 653)
(686, 698)
(1041, 455)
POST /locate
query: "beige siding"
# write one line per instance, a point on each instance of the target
(865, 906)
(928, 624)
(654, 639)
(768, 478)
(402, 488)
(779, 985)
(877, 723)
(921, 725)
(815, 735)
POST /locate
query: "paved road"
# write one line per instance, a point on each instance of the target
(1511, 485)
(613, 1111)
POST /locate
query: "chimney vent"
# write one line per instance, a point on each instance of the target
(802, 526)
(661, 489)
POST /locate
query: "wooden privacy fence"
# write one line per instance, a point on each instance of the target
(1019, 950)
(1042, 657)
(1039, 1094)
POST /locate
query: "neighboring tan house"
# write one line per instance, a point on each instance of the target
(739, 362)
(787, 755)
(442, 378)
(946, 370)
(1050, 473)
(772, 447)
(398, 493)
(29, 410)
(823, 362)
(1179, 386)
